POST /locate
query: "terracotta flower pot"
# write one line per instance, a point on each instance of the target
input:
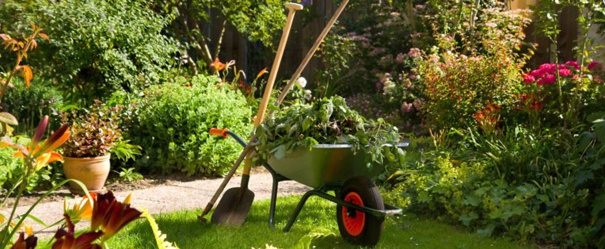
(92, 171)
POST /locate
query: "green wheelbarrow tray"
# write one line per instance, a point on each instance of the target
(324, 164)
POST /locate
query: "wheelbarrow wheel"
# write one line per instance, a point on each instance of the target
(355, 226)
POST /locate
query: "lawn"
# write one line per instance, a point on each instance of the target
(315, 228)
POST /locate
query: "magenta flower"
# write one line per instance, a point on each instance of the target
(538, 73)
(565, 72)
(528, 78)
(548, 79)
(573, 64)
(592, 65)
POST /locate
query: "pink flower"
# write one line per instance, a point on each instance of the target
(538, 73)
(406, 107)
(528, 78)
(419, 104)
(564, 72)
(399, 58)
(593, 64)
(548, 79)
(547, 68)
(573, 64)
(414, 52)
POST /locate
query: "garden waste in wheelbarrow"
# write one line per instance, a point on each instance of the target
(360, 210)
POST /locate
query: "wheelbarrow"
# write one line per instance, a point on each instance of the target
(360, 210)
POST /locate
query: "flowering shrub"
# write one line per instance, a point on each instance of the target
(562, 92)
(454, 84)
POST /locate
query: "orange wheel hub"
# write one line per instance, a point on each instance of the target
(354, 221)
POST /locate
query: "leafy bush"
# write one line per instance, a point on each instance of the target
(171, 122)
(29, 105)
(99, 46)
(528, 186)
(11, 172)
(590, 175)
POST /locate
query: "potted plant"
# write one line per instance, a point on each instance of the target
(86, 154)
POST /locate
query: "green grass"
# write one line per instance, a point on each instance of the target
(315, 228)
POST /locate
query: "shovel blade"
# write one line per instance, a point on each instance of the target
(233, 208)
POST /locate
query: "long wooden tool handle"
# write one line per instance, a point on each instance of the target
(309, 55)
(292, 8)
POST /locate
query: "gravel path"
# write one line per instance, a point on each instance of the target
(168, 198)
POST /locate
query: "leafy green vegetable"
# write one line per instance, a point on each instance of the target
(327, 121)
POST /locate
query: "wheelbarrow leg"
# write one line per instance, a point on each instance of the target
(299, 207)
(273, 202)
(276, 179)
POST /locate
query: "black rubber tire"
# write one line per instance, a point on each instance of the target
(371, 198)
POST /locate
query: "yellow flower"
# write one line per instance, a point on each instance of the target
(81, 210)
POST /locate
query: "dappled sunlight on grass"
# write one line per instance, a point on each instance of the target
(315, 227)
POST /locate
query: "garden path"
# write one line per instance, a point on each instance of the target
(174, 196)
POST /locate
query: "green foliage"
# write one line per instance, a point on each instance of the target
(255, 19)
(10, 171)
(591, 173)
(527, 186)
(335, 53)
(29, 105)
(375, 34)
(171, 121)
(327, 121)
(128, 175)
(99, 46)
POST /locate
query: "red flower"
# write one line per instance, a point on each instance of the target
(23, 243)
(110, 215)
(573, 64)
(67, 239)
(592, 65)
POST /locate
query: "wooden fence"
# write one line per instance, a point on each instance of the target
(245, 53)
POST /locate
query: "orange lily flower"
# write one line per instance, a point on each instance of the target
(264, 71)
(42, 160)
(218, 65)
(43, 154)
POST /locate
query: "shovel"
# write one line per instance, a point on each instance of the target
(233, 208)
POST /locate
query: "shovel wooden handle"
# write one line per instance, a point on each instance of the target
(292, 8)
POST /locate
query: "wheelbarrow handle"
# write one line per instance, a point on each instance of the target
(226, 133)
(218, 132)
